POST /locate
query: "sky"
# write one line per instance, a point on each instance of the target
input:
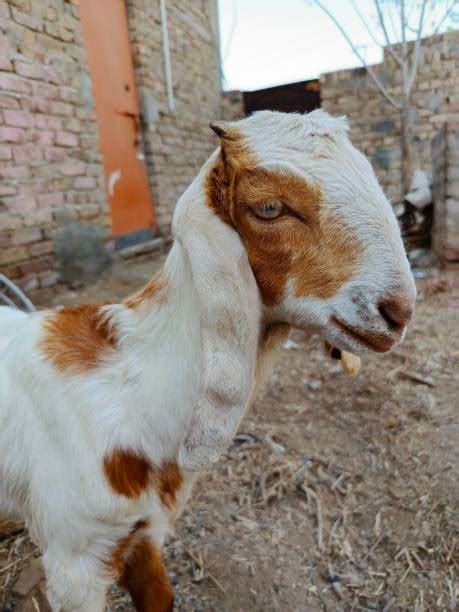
(270, 42)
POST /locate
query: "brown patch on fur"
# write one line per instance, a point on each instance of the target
(115, 564)
(138, 567)
(307, 244)
(130, 474)
(76, 338)
(168, 482)
(154, 290)
(145, 578)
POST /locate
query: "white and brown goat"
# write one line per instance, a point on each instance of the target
(107, 413)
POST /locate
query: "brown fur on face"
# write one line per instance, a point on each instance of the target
(130, 474)
(77, 338)
(307, 244)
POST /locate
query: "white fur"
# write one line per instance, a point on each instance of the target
(179, 382)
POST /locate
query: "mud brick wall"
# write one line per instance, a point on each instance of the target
(176, 142)
(52, 187)
(232, 105)
(445, 165)
(50, 164)
(375, 124)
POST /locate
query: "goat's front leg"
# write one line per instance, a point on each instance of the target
(146, 579)
(73, 585)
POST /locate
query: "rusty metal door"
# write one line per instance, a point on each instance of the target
(106, 38)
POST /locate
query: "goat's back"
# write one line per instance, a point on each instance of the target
(11, 321)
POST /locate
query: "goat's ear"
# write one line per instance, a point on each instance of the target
(230, 319)
(223, 130)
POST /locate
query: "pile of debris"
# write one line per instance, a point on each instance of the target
(415, 213)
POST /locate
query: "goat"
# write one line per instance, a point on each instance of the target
(108, 413)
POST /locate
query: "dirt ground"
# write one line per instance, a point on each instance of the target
(337, 494)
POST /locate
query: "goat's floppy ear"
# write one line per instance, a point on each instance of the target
(230, 318)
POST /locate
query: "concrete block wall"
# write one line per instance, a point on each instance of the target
(51, 176)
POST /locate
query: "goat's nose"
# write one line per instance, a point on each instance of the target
(397, 309)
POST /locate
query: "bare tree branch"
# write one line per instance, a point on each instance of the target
(365, 24)
(395, 33)
(382, 24)
(445, 16)
(346, 36)
(403, 30)
(416, 51)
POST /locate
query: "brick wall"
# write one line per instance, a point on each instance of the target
(375, 124)
(232, 105)
(50, 161)
(176, 143)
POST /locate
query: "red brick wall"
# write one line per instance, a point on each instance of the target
(49, 153)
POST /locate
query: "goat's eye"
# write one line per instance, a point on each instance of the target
(272, 210)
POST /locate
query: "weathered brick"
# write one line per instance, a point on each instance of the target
(27, 154)
(27, 20)
(73, 168)
(8, 101)
(36, 266)
(10, 222)
(85, 182)
(18, 118)
(39, 218)
(41, 248)
(7, 190)
(11, 82)
(14, 172)
(5, 240)
(55, 154)
(26, 236)
(12, 134)
(20, 204)
(49, 200)
(63, 109)
(66, 139)
(5, 152)
(42, 137)
(5, 63)
(31, 70)
(13, 255)
(48, 122)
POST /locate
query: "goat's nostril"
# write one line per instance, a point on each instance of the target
(397, 310)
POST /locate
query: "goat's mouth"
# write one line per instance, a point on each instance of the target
(375, 341)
